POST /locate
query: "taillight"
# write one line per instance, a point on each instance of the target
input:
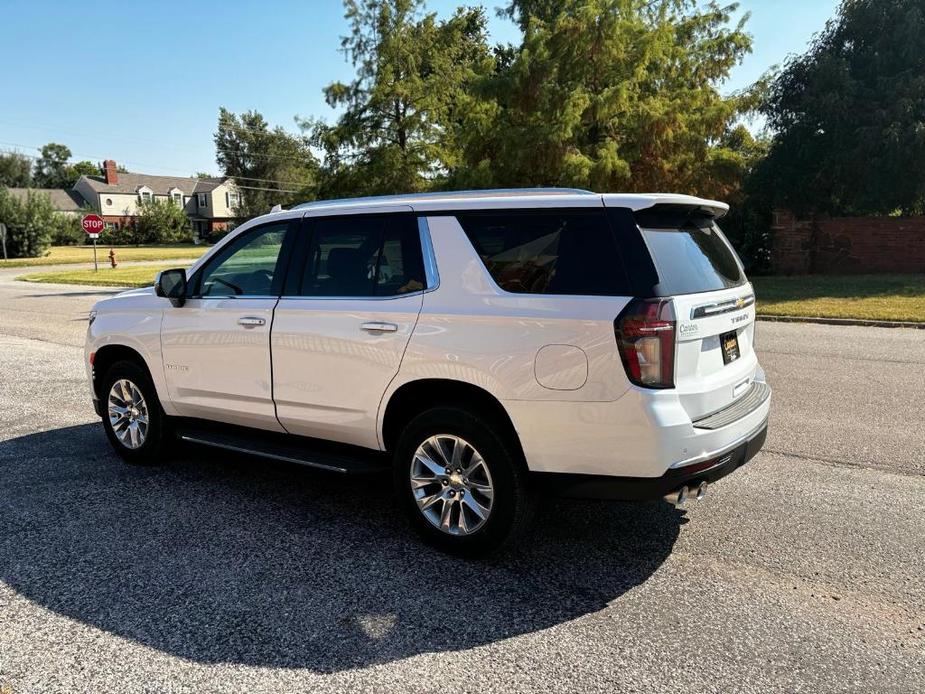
(645, 332)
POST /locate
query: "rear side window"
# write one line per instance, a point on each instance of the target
(363, 256)
(548, 251)
(690, 252)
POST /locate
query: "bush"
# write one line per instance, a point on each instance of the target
(66, 231)
(158, 221)
(29, 223)
(215, 235)
(161, 221)
(748, 227)
(123, 236)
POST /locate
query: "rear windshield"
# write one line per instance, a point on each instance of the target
(690, 253)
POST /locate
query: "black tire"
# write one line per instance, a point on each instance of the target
(154, 448)
(514, 500)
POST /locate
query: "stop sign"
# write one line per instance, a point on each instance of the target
(92, 223)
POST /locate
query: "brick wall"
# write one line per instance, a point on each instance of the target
(847, 245)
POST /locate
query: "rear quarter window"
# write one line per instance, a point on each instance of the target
(548, 252)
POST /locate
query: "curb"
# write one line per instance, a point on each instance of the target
(843, 321)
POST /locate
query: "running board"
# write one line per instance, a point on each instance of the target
(321, 455)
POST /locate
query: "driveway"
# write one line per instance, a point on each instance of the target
(801, 572)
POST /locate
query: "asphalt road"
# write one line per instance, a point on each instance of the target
(800, 573)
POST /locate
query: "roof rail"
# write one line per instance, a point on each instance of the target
(449, 194)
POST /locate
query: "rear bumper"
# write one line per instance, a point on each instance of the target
(645, 433)
(645, 488)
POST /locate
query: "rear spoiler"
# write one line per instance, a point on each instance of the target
(677, 215)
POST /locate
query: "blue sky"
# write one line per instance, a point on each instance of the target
(142, 82)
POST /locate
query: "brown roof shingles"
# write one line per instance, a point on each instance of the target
(161, 185)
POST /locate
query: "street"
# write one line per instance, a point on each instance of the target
(800, 572)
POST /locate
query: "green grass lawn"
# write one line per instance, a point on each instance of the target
(60, 255)
(131, 276)
(870, 297)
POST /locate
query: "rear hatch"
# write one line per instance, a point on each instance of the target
(712, 302)
(715, 360)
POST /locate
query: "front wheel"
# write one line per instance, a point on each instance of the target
(132, 416)
(461, 482)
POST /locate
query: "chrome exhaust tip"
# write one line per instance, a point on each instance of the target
(701, 491)
(678, 497)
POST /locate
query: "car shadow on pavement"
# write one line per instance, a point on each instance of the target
(221, 558)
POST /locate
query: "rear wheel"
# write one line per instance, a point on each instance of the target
(461, 482)
(132, 416)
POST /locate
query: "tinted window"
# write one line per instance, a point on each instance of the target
(363, 255)
(548, 252)
(690, 252)
(401, 265)
(247, 266)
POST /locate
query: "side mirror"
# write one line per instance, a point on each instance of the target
(171, 284)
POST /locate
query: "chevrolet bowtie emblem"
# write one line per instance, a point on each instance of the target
(740, 302)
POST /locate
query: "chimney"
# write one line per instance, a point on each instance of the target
(109, 168)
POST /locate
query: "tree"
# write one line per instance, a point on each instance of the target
(51, 167)
(160, 221)
(611, 95)
(82, 168)
(849, 115)
(270, 166)
(29, 223)
(66, 229)
(396, 131)
(748, 223)
(15, 170)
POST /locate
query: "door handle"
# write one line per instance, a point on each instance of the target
(251, 321)
(376, 327)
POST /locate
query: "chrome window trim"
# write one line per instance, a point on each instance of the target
(432, 275)
(721, 307)
(236, 297)
(393, 297)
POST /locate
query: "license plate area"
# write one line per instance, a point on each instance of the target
(729, 344)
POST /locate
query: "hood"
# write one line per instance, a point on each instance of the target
(140, 291)
(143, 296)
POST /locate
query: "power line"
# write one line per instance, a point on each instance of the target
(138, 163)
(239, 128)
(243, 128)
(236, 178)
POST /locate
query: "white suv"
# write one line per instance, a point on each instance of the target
(480, 345)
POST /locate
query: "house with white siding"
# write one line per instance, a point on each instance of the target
(115, 196)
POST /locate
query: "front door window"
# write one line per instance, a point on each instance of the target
(247, 266)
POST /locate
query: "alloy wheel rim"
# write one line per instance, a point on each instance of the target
(128, 413)
(452, 485)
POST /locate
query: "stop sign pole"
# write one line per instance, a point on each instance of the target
(93, 225)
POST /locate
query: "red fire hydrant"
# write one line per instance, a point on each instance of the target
(112, 257)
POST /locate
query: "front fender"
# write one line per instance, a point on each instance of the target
(138, 329)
